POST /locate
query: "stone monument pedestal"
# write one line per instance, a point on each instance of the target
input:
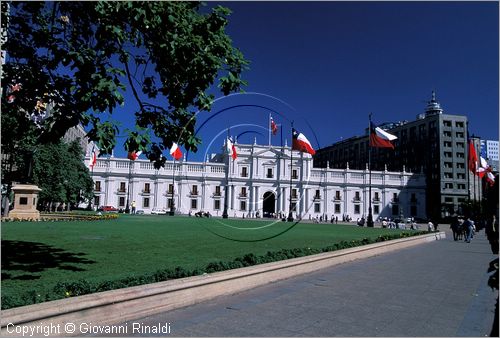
(25, 201)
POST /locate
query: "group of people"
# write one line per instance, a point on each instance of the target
(201, 214)
(463, 228)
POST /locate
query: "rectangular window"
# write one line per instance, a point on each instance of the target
(376, 198)
(447, 154)
(243, 192)
(216, 204)
(447, 143)
(337, 195)
(317, 207)
(294, 174)
(356, 209)
(460, 145)
(447, 123)
(356, 196)
(147, 188)
(448, 175)
(337, 208)
(169, 203)
(461, 186)
(460, 155)
(97, 200)
(395, 209)
(447, 133)
(376, 209)
(121, 201)
(461, 176)
(243, 205)
(294, 193)
(244, 171)
(448, 185)
(269, 173)
(217, 190)
(459, 134)
(460, 165)
(194, 191)
(23, 200)
(459, 124)
(294, 206)
(413, 198)
(395, 198)
(448, 164)
(170, 188)
(145, 202)
(194, 203)
(122, 186)
(448, 199)
(316, 195)
(97, 186)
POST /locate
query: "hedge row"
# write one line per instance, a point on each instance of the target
(83, 287)
(65, 218)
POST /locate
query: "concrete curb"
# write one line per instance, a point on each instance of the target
(117, 306)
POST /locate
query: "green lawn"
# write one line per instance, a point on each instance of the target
(37, 255)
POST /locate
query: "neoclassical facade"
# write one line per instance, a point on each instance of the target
(259, 183)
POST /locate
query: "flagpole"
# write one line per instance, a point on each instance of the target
(172, 205)
(269, 127)
(127, 207)
(369, 222)
(226, 154)
(290, 214)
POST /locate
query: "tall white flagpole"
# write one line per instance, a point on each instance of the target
(269, 126)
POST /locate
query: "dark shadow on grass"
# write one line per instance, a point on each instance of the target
(31, 258)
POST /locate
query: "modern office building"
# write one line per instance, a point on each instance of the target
(261, 182)
(489, 151)
(434, 144)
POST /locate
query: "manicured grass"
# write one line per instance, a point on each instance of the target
(37, 255)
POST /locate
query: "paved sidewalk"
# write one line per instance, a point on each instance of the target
(433, 289)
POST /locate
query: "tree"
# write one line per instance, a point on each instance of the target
(76, 60)
(59, 170)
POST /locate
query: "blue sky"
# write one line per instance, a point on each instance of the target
(327, 65)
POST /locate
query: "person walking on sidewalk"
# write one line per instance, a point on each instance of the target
(469, 228)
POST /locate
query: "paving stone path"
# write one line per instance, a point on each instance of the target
(433, 289)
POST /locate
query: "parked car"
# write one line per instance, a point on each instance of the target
(158, 211)
(107, 208)
(139, 212)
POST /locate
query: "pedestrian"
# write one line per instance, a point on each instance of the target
(430, 226)
(469, 228)
(336, 219)
(454, 226)
(133, 207)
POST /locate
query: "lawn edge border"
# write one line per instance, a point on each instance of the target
(121, 305)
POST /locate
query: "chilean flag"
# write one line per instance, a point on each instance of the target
(483, 167)
(231, 149)
(490, 177)
(132, 155)
(93, 157)
(274, 127)
(175, 151)
(301, 143)
(380, 138)
(473, 159)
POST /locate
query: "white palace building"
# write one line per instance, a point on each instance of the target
(259, 185)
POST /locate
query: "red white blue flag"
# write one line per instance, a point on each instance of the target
(231, 149)
(301, 143)
(274, 127)
(176, 152)
(380, 138)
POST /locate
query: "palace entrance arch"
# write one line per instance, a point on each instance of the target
(269, 204)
